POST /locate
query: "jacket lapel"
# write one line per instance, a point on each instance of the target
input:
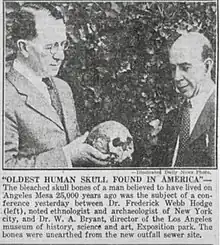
(68, 108)
(35, 99)
(205, 120)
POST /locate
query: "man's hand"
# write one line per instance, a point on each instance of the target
(82, 154)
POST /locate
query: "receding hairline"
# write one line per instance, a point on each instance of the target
(194, 37)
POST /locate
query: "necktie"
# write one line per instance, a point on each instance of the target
(54, 97)
(55, 101)
(184, 133)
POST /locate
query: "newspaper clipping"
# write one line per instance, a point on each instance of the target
(109, 122)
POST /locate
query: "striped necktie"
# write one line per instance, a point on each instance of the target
(54, 97)
(184, 133)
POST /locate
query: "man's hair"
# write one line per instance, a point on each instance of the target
(22, 22)
(207, 52)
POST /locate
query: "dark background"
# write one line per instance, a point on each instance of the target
(117, 64)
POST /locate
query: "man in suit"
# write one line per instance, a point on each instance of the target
(41, 129)
(187, 138)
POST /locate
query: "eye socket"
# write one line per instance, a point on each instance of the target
(129, 140)
(116, 142)
(48, 46)
(185, 67)
(55, 46)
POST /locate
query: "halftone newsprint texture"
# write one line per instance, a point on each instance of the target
(109, 122)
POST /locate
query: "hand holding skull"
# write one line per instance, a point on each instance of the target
(84, 155)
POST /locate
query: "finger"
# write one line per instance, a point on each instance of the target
(82, 138)
(96, 153)
(97, 162)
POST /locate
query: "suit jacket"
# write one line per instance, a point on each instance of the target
(34, 134)
(201, 149)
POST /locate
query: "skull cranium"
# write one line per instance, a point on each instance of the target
(113, 138)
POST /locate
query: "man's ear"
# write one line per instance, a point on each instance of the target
(208, 65)
(22, 47)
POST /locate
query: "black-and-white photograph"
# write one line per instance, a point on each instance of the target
(110, 85)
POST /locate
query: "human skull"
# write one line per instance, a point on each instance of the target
(113, 138)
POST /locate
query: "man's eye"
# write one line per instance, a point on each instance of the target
(185, 68)
(49, 46)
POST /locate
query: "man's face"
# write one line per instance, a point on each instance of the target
(41, 58)
(188, 69)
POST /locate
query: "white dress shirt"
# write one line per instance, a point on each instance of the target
(198, 102)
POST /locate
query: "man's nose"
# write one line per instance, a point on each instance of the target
(178, 76)
(59, 55)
